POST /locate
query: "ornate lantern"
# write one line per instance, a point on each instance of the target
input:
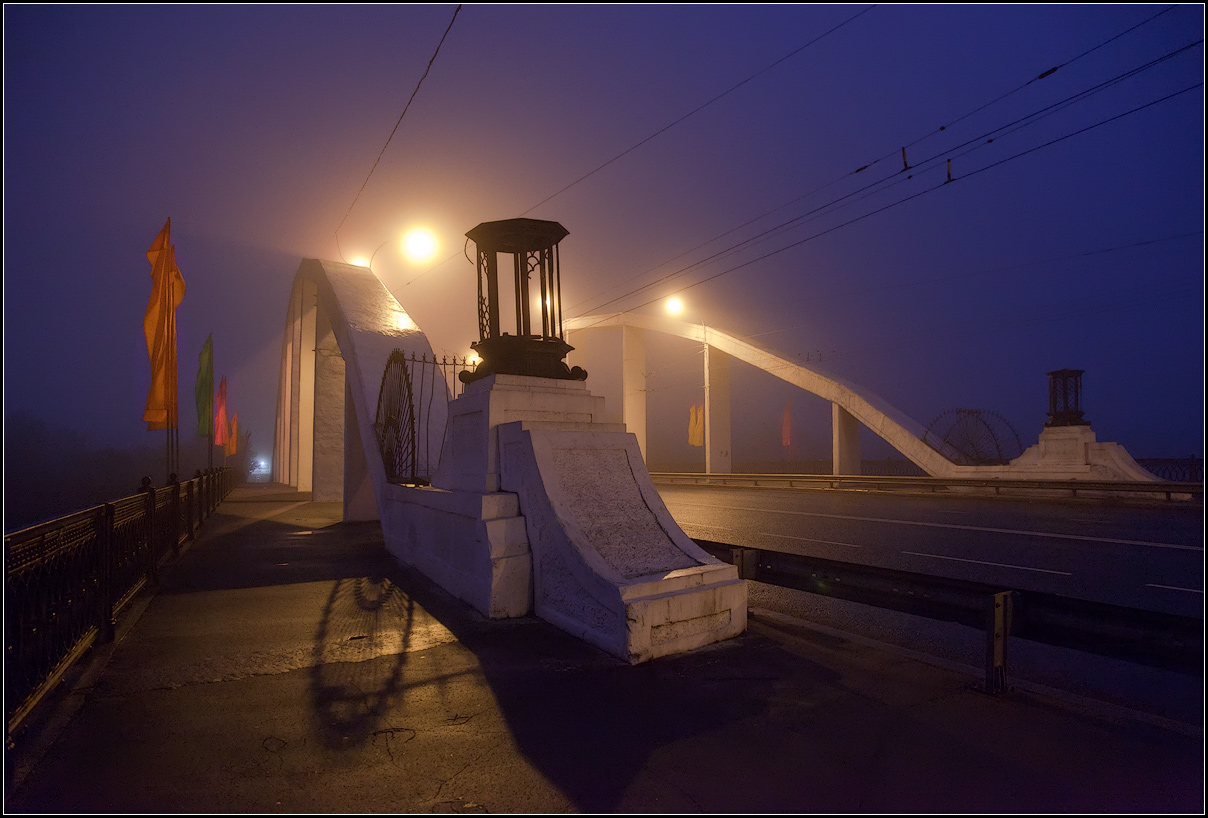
(1065, 398)
(535, 350)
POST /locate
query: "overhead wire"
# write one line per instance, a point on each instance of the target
(398, 122)
(897, 178)
(662, 130)
(1042, 75)
(917, 194)
(697, 109)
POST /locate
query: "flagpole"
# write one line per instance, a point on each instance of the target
(210, 450)
(171, 313)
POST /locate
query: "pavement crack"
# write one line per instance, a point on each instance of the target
(390, 732)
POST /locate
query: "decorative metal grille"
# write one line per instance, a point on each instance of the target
(974, 437)
(410, 385)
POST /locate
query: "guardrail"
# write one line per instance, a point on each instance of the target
(1151, 638)
(67, 580)
(1170, 492)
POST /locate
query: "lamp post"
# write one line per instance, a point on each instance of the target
(375, 252)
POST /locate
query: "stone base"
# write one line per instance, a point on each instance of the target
(472, 545)
(536, 507)
(609, 563)
(1072, 453)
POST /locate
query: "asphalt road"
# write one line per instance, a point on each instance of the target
(1144, 557)
(287, 664)
(1138, 557)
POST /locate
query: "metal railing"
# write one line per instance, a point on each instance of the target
(1176, 492)
(67, 580)
(1174, 469)
(1167, 641)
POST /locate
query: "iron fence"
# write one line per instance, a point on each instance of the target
(67, 580)
(1175, 469)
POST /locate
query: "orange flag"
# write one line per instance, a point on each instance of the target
(159, 327)
(220, 415)
(786, 427)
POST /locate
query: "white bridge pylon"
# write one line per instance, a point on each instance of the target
(1062, 453)
(341, 326)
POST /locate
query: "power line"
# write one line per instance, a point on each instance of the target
(696, 110)
(915, 196)
(881, 182)
(456, 11)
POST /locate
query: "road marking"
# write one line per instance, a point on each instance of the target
(809, 539)
(1174, 588)
(995, 564)
(1046, 534)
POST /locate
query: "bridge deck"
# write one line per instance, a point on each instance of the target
(288, 665)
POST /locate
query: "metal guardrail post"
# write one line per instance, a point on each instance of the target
(107, 598)
(998, 629)
(747, 560)
(174, 527)
(151, 569)
(189, 530)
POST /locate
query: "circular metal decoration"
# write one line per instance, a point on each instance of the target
(974, 437)
(395, 421)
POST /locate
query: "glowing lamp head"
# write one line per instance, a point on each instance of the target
(420, 245)
(674, 306)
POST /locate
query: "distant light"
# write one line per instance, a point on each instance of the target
(472, 359)
(674, 306)
(359, 261)
(420, 244)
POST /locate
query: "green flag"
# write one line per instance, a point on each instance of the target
(203, 392)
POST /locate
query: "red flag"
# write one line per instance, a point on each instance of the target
(786, 427)
(159, 328)
(220, 416)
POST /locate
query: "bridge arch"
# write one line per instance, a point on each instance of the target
(341, 326)
(1067, 454)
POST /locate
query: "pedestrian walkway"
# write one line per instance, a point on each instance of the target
(288, 664)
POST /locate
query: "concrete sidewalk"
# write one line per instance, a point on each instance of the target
(288, 664)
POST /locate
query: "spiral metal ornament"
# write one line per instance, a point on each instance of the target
(395, 421)
(974, 437)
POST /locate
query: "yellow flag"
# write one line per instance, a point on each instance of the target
(159, 328)
(696, 426)
(231, 447)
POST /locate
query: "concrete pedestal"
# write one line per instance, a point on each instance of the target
(536, 507)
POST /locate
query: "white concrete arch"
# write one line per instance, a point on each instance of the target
(1066, 453)
(341, 326)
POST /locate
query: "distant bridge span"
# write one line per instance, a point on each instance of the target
(1069, 454)
(342, 325)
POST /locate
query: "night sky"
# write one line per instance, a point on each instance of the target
(1073, 239)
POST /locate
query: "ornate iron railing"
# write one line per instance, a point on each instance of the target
(67, 580)
(1175, 469)
(410, 386)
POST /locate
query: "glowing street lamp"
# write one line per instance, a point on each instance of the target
(674, 305)
(420, 245)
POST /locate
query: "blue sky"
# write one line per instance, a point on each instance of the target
(1073, 239)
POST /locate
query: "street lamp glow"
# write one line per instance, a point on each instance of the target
(674, 306)
(420, 244)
